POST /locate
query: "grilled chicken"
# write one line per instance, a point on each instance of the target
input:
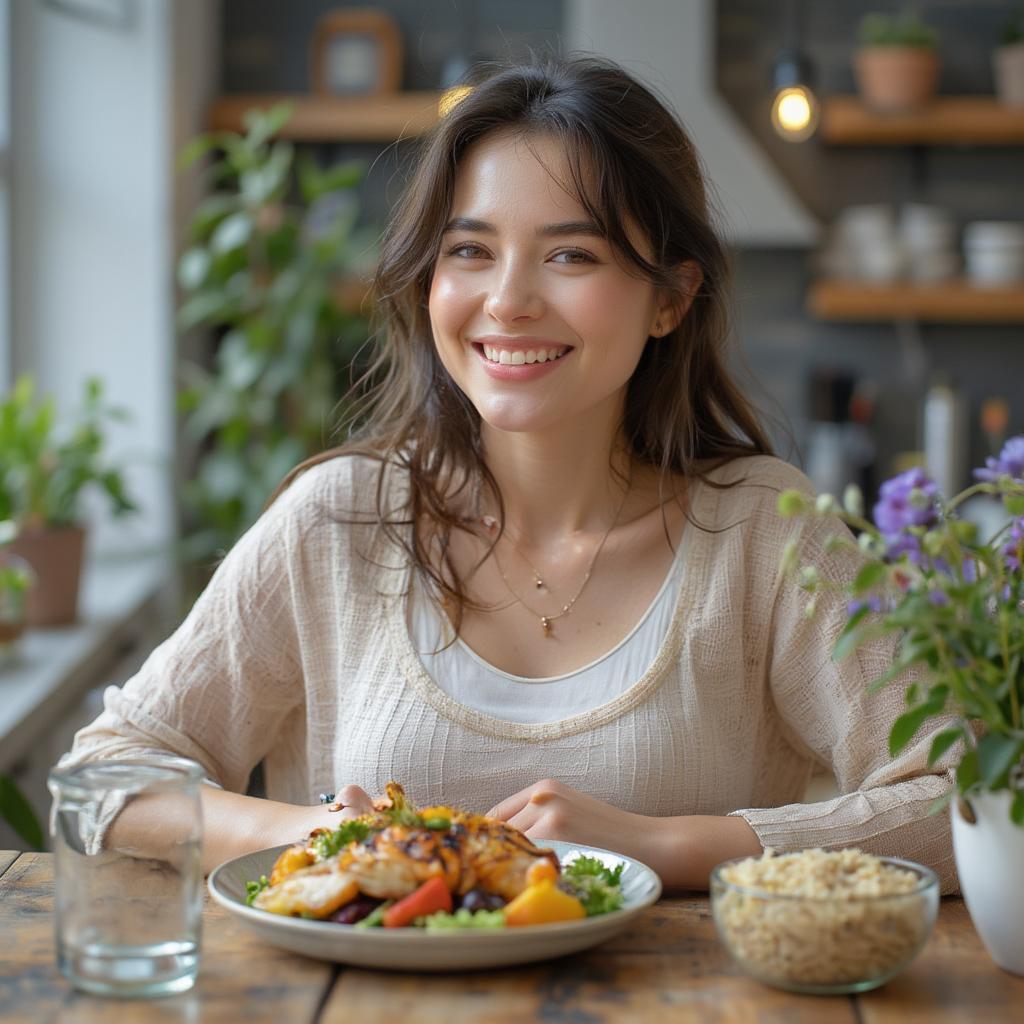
(399, 855)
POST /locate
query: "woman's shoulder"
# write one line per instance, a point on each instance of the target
(756, 480)
(346, 485)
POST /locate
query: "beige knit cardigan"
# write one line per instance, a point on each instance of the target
(298, 654)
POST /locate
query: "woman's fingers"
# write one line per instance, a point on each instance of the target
(354, 800)
(538, 793)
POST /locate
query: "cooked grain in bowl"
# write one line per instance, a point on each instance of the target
(820, 920)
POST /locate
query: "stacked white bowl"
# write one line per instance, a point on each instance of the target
(994, 250)
(928, 237)
(864, 245)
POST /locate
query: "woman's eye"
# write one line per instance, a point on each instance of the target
(465, 249)
(574, 256)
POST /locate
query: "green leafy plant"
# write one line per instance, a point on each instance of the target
(45, 468)
(17, 812)
(273, 252)
(905, 29)
(955, 602)
(1013, 30)
(16, 577)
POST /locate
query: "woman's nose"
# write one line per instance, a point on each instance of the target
(513, 295)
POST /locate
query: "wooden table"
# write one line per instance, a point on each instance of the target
(668, 967)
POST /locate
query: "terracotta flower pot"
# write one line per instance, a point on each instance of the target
(56, 556)
(1008, 68)
(896, 79)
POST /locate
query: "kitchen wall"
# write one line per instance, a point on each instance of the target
(783, 345)
(265, 49)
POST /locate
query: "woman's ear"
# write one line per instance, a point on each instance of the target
(676, 305)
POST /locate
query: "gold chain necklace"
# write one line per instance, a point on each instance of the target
(546, 621)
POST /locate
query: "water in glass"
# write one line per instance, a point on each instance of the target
(128, 899)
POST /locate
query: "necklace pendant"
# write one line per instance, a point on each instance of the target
(545, 623)
(538, 582)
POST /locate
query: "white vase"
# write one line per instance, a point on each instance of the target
(989, 858)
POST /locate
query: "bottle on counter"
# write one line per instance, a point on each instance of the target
(945, 438)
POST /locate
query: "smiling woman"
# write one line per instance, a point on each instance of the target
(542, 576)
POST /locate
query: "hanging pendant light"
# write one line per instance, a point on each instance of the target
(795, 108)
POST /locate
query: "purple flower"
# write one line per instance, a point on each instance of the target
(1012, 549)
(1010, 462)
(899, 506)
(938, 598)
(873, 603)
(900, 544)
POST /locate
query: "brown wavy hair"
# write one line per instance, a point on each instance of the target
(630, 159)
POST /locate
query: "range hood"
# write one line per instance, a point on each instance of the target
(670, 44)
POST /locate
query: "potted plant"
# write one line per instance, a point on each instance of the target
(43, 472)
(16, 577)
(955, 600)
(897, 63)
(1008, 62)
(275, 269)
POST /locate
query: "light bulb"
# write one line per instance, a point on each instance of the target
(795, 113)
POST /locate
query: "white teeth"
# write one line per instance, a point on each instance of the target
(519, 357)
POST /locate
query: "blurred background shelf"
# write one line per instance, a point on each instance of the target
(381, 118)
(943, 302)
(948, 120)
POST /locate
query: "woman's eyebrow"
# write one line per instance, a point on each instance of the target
(568, 227)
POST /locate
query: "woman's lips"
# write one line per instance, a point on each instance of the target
(518, 371)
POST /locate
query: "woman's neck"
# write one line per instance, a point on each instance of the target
(558, 483)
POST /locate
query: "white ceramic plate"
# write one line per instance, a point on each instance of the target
(414, 949)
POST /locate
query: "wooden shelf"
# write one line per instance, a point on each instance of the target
(384, 118)
(948, 120)
(944, 302)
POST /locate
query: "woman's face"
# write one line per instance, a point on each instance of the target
(532, 315)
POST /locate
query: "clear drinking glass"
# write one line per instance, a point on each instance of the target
(128, 903)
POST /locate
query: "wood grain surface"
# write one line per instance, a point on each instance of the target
(667, 967)
(240, 978)
(7, 858)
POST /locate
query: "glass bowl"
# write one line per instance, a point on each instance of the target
(825, 945)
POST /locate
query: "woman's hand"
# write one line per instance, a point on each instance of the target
(682, 850)
(353, 802)
(552, 810)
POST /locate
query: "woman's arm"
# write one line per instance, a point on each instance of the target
(682, 850)
(233, 824)
(885, 803)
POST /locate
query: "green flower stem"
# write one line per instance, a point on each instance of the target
(982, 488)
(1004, 642)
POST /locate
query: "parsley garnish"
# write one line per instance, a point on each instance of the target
(594, 885)
(253, 889)
(327, 844)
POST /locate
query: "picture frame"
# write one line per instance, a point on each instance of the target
(356, 52)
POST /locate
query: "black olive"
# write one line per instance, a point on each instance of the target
(479, 899)
(355, 910)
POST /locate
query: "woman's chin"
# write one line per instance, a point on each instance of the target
(516, 418)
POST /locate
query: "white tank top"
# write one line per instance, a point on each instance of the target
(467, 678)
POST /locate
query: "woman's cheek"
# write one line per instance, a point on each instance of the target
(449, 300)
